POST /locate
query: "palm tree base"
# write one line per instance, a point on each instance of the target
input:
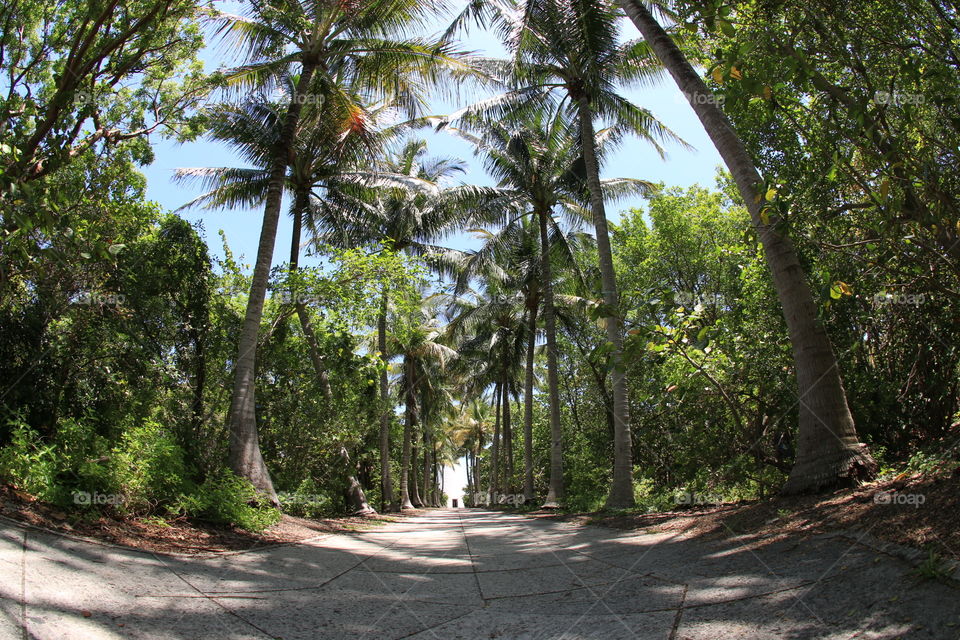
(550, 504)
(847, 467)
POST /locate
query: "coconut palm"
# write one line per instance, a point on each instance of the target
(424, 358)
(333, 140)
(333, 45)
(492, 333)
(538, 166)
(408, 211)
(569, 51)
(469, 432)
(828, 450)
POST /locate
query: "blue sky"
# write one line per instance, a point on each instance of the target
(634, 159)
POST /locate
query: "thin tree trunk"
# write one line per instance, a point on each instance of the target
(507, 475)
(495, 448)
(356, 498)
(476, 473)
(386, 482)
(410, 411)
(555, 491)
(621, 489)
(246, 459)
(828, 451)
(414, 483)
(427, 448)
(528, 490)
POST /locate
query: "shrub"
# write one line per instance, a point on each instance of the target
(308, 501)
(29, 464)
(228, 499)
(148, 469)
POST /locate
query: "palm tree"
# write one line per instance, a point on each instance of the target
(828, 450)
(539, 166)
(492, 333)
(469, 433)
(408, 211)
(572, 48)
(424, 358)
(334, 45)
(332, 141)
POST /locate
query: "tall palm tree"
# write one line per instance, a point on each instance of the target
(409, 210)
(570, 50)
(333, 44)
(469, 432)
(424, 358)
(539, 167)
(828, 449)
(333, 140)
(491, 331)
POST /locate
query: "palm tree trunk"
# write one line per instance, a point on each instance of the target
(386, 482)
(410, 411)
(555, 490)
(246, 459)
(413, 484)
(495, 448)
(427, 448)
(528, 489)
(621, 489)
(828, 451)
(356, 499)
(507, 474)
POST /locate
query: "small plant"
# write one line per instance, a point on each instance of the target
(934, 567)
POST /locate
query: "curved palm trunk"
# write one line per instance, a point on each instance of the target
(494, 488)
(410, 411)
(621, 489)
(245, 457)
(555, 490)
(386, 482)
(828, 451)
(528, 489)
(356, 498)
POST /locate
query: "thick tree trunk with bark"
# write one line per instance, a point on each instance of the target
(828, 451)
(246, 459)
(621, 488)
(555, 490)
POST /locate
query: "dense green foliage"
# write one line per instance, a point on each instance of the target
(120, 329)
